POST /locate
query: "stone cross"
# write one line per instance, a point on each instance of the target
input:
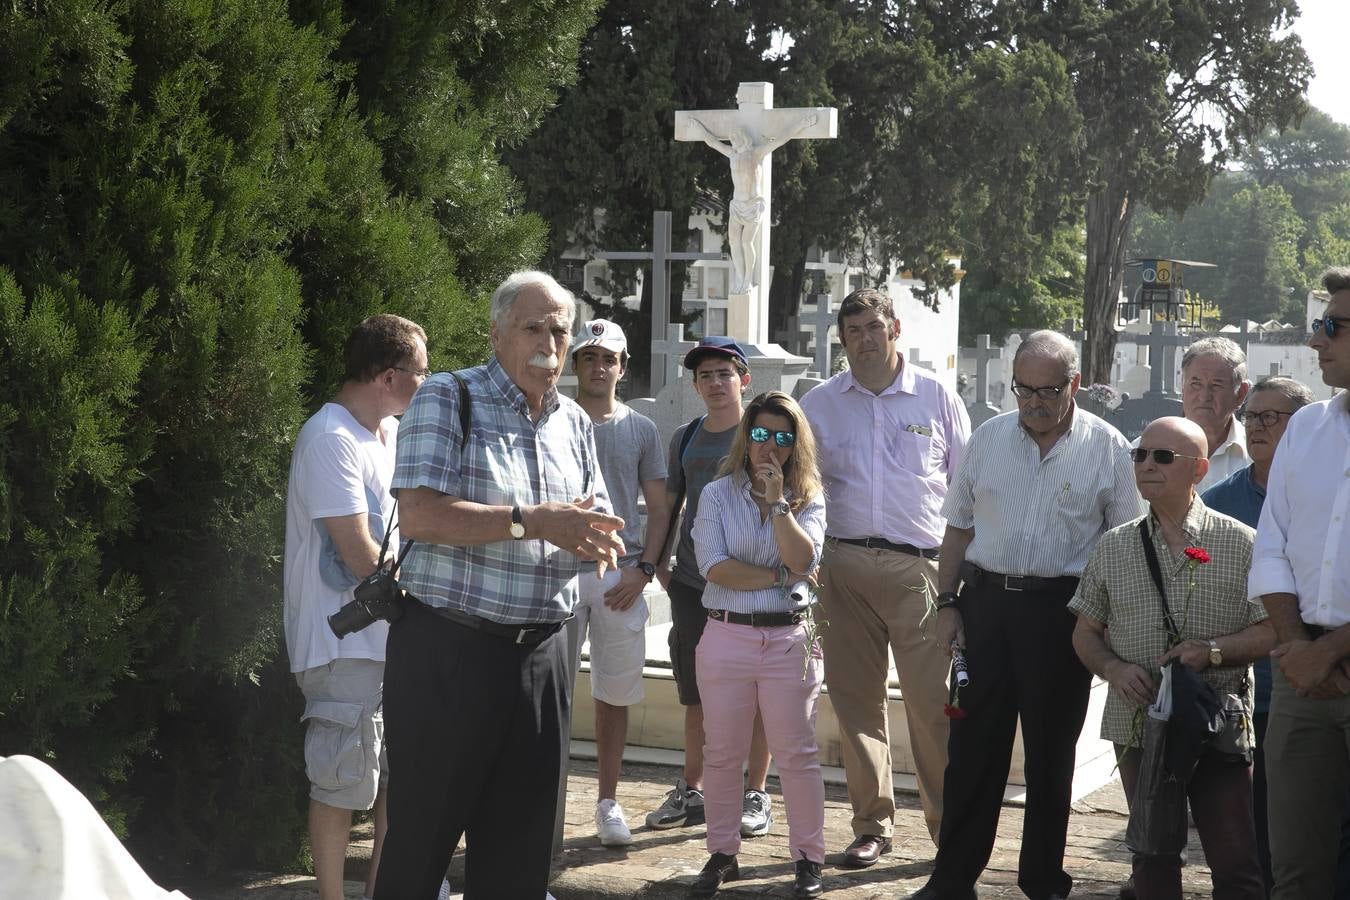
(915, 359)
(747, 137)
(660, 257)
(981, 409)
(818, 324)
(1162, 342)
(668, 356)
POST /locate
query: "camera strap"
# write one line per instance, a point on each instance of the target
(465, 421)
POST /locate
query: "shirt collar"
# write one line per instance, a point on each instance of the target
(1192, 524)
(904, 382)
(1237, 437)
(514, 395)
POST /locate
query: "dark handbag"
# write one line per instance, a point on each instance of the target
(1197, 713)
(1158, 823)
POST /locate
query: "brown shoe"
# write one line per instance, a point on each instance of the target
(865, 851)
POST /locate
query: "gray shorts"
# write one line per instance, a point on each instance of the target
(688, 618)
(344, 741)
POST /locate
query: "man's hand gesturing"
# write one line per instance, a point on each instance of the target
(577, 528)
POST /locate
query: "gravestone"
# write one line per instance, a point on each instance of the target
(818, 323)
(980, 408)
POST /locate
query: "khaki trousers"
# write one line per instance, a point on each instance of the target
(874, 601)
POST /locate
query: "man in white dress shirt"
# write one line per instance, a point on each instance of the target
(1034, 491)
(1213, 387)
(1301, 573)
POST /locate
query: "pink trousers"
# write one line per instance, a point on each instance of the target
(741, 669)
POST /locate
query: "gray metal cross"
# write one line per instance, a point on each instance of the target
(660, 257)
(818, 325)
(668, 355)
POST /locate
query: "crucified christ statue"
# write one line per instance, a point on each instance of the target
(747, 204)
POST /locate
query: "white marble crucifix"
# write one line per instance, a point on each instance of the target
(747, 136)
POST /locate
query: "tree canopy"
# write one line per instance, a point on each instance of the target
(197, 203)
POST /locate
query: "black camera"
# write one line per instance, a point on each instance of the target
(377, 597)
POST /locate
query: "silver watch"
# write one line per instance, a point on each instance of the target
(780, 508)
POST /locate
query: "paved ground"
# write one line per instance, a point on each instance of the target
(661, 865)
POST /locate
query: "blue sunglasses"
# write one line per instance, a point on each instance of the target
(1330, 324)
(759, 434)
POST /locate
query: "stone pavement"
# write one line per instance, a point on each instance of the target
(661, 864)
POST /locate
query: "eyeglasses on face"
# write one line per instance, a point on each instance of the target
(1161, 457)
(759, 434)
(420, 373)
(1330, 324)
(1267, 417)
(1046, 392)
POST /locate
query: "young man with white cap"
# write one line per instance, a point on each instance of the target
(612, 608)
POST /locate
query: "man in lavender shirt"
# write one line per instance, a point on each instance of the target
(890, 436)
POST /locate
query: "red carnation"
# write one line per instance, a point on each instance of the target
(954, 712)
(1198, 554)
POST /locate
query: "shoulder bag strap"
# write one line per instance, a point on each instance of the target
(1155, 570)
(465, 420)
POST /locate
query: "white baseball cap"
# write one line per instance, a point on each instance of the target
(601, 333)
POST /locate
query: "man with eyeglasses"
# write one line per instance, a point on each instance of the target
(1123, 636)
(338, 507)
(1033, 493)
(1301, 574)
(890, 436)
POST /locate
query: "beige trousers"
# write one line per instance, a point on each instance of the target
(873, 600)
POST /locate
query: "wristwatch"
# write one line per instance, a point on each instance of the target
(647, 569)
(946, 599)
(780, 508)
(517, 524)
(1215, 654)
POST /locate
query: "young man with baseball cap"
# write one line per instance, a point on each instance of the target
(721, 375)
(612, 608)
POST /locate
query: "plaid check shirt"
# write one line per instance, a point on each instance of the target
(508, 460)
(1117, 589)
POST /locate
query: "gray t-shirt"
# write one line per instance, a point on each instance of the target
(702, 458)
(628, 447)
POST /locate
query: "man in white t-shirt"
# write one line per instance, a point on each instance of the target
(612, 608)
(338, 508)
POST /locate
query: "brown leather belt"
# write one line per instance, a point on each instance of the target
(758, 620)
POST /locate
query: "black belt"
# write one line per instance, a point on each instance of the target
(759, 619)
(983, 578)
(529, 635)
(876, 543)
(1316, 631)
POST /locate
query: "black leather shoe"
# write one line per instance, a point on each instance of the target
(865, 851)
(1127, 889)
(719, 868)
(808, 879)
(928, 892)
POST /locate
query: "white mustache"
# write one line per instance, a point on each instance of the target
(544, 361)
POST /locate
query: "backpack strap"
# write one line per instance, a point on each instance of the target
(694, 427)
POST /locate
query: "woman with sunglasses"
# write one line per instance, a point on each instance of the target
(758, 536)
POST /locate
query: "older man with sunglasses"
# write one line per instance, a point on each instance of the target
(1301, 573)
(1167, 587)
(1035, 490)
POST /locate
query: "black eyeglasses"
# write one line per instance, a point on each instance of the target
(759, 434)
(421, 373)
(1048, 392)
(1267, 417)
(1161, 457)
(1329, 324)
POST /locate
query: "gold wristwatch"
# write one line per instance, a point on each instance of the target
(1215, 654)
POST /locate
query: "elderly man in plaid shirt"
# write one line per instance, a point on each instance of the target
(476, 679)
(1122, 636)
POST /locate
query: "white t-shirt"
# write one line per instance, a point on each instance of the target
(339, 469)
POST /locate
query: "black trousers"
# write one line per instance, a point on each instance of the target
(1022, 664)
(474, 725)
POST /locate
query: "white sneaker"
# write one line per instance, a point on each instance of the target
(445, 890)
(611, 826)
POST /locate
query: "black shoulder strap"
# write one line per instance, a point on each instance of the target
(685, 439)
(1155, 570)
(465, 420)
